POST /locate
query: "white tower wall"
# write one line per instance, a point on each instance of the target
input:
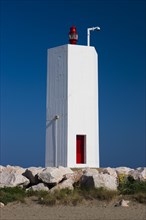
(56, 130)
(83, 103)
(72, 93)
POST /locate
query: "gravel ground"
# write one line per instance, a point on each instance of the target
(91, 211)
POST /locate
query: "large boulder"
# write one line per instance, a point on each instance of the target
(87, 179)
(90, 171)
(105, 181)
(1, 168)
(13, 169)
(51, 175)
(142, 175)
(39, 187)
(63, 185)
(75, 176)
(65, 170)
(123, 170)
(12, 179)
(92, 178)
(110, 171)
(139, 174)
(32, 174)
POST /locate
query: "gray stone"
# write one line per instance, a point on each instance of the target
(124, 203)
(123, 170)
(63, 185)
(110, 171)
(39, 187)
(12, 179)
(94, 179)
(105, 181)
(2, 205)
(65, 170)
(32, 174)
(138, 174)
(75, 176)
(51, 175)
(1, 168)
(13, 169)
(143, 174)
(90, 171)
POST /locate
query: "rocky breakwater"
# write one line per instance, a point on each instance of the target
(52, 178)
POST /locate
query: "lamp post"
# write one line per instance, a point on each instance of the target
(88, 33)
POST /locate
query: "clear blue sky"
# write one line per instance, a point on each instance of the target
(28, 28)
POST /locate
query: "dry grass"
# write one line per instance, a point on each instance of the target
(136, 190)
(74, 197)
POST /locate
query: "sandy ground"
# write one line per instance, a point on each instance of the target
(91, 211)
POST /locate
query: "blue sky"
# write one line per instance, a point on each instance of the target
(28, 28)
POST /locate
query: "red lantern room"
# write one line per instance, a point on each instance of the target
(73, 35)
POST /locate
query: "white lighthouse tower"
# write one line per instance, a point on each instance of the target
(72, 125)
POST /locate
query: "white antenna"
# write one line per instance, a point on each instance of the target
(88, 33)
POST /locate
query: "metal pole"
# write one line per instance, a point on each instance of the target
(56, 135)
(55, 143)
(88, 37)
(88, 33)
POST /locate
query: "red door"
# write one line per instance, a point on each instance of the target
(80, 149)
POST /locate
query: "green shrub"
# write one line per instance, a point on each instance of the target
(131, 186)
(10, 194)
(39, 193)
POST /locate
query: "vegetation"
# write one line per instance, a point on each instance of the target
(134, 189)
(129, 186)
(63, 196)
(10, 194)
(73, 197)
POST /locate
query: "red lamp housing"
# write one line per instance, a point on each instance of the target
(73, 35)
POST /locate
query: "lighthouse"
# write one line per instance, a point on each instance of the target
(72, 124)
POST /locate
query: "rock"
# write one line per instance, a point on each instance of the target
(12, 179)
(138, 174)
(39, 187)
(110, 171)
(123, 170)
(94, 179)
(14, 169)
(1, 205)
(143, 174)
(65, 170)
(134, 174)
(105, 181)
(1, 168)
(32, 174)
(124, 203)
(63, 185)
(90, 171)
(87, 179)
(75, 176)
(51, 175)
